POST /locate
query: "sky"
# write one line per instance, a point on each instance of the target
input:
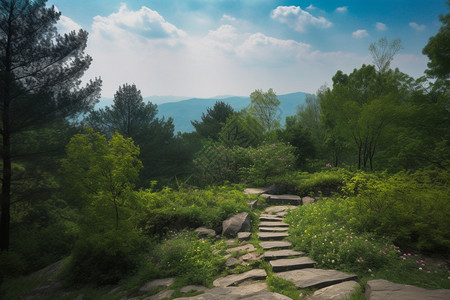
(206, 48)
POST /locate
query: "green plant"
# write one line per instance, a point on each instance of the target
(185, 256)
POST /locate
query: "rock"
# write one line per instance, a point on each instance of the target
(273, 229)
(315, 278)
(255, 191)
(282, 199)
(385, 290)
(338, 291)
(255, 291)
(275, 244)
(235, 224)
(44, 290)
(250, 257)
(286, 264)
(204, 232)
(235, 279)
(270, 218)
(161, 295)
(278, 209)
(244, 236)
(272, 235)
(193, 288)
(273, 224)
(248, 248)
(308, 200)
(231, 262)
(156, 283)
(268, 255)
(253, 204)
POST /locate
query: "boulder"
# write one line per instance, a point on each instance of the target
(244, 236)
(308, 200)
(385, 290)
(204, 232)
(338, 291)
(165, 282)
(235, 224)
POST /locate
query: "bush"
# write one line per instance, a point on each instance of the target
(412, 208)
(190, 208)
(183, 255)
(317, 229)
(11, 264)
(103, 259)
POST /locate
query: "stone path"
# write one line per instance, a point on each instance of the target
(293, 266)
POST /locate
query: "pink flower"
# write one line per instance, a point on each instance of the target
(428, 272)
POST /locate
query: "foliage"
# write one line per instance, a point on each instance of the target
(264, 106)
(217, 163)
(104, 258)
(324, 183)
(438, 49)
(282, 286)
(360, 232)
(183, 254)
(266, 161)
(101, 172)
(213, 121)
(133, 118)
(300, 138)
(241, 129)
(40, 82)
(170, 209)
(412, 208)
(383, 53)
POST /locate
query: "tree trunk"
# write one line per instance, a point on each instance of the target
(6, 182)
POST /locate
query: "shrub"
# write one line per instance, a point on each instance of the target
(104, 258)
(412, 208)
(183, 255)
(190, 208)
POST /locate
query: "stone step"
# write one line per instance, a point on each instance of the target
(275, 245)
(383, 289)
(270, 218)
(282, 199)
(273, 229)
(268, 255)
(272, 236)
(255, 291)
(287, 264)
(339, 291)
(273, 224)
(235, 279)
(315, 278)
(279, 209)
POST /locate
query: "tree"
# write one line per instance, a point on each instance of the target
(128, 115)
(383, 53)
(132, 117)
(358, 109)
(264, 106)
(213, 121)
(40, 73)
(98, 171)
(438, 50)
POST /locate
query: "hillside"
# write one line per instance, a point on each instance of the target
(184, 111)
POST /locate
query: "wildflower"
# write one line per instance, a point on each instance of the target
(370, 270)
(423, 265)
(420, 268)
(428, 272)
(438, 265)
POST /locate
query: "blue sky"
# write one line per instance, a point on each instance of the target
(204, 48)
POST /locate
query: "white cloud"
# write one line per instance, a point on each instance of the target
(66, 24)
(297, 18)
(381, 26)
(416, 26)
(227, 18)
(360, 33)
(342, 9)
(144, 23)
(311, 7)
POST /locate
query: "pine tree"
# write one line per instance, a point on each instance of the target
(40, 74)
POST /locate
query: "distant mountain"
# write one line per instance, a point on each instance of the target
(153, 99)
(183, 112)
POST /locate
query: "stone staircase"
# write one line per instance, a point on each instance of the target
(294, 266)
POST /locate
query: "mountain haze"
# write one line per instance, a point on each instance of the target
(183, 112)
